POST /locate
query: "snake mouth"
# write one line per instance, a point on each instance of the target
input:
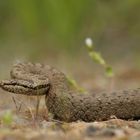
(38, 87)
(24, 87)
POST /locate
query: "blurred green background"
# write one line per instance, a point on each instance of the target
(54, 31)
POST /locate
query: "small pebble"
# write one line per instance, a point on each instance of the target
(91, 130)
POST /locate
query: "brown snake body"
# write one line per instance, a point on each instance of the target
(64, 102)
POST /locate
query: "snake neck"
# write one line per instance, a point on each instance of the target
(58, 99)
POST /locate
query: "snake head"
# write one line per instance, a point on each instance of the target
(27, 79)
(26, 87)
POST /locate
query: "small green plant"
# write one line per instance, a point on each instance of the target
(97, 57)
(7, 118)
(74, 84)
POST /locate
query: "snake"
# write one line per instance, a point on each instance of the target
(64, 101)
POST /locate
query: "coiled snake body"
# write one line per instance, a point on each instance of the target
(64, 101)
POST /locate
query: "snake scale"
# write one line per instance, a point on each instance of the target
(64, 101)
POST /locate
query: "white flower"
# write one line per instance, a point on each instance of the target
(88, 42)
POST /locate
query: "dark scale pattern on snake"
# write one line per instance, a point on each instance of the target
(64, 102)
